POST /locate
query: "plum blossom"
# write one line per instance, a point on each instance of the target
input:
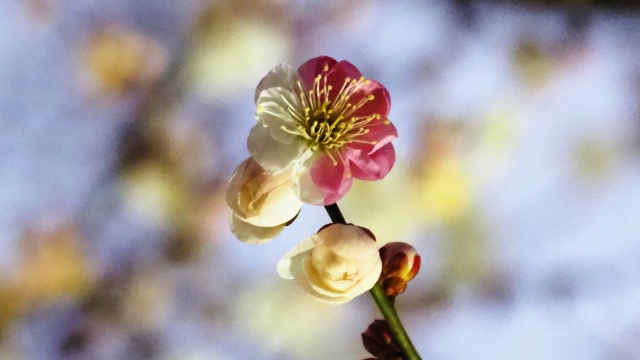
(326, 121)
(335, 265)
(262, 203)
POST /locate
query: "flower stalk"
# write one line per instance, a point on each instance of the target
(385, 304)
(397, 329)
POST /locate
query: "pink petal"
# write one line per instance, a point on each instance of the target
(334, 180)
(381, 132)
(372, 166)
(380, 104)
(312, 68)
(303, 185)
(339, 73)
(334, 197)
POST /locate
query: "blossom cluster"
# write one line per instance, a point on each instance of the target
(318, 127)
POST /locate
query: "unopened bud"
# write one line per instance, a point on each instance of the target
(400, 264)
(262, 203)
(336, 264)
(379, 341)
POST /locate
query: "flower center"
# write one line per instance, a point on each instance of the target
(327, 122)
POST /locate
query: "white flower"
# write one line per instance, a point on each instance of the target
(262, 203)
(335, 265)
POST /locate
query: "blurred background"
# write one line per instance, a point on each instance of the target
(517, 178)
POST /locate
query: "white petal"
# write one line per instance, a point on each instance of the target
(278, 108)
(278, 103)
(283, 75)
(291, 263)
(303, 185)
(251, 234)
(271, 154)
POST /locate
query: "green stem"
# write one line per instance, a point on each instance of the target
(384, 303)
(389, 312)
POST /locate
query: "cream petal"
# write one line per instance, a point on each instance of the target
(281, 205)
(360, 245)
(271, 154)
(236, 183)
(315, 284)
(252, 234)
(367, 281)
(291, 263)
(347, 288)
(311, 284)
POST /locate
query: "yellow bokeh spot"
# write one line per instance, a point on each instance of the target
(117, 59)
(53, 265)
(444, 193)
(154, 192)
(498, 132)
(385, 207)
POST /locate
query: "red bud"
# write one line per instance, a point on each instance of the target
(400, 264)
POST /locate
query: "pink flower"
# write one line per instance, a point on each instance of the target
(327, 121)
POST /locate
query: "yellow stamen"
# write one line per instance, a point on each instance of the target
(325, 120)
